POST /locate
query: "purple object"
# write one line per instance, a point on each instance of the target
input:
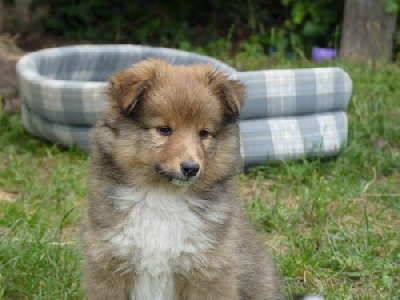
(320, 54)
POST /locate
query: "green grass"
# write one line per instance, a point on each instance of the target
(332, 226)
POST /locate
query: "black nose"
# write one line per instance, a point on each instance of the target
(190, 169)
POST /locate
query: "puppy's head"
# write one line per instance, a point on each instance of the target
(173, 125)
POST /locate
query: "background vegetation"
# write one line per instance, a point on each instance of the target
(274, 25)
(288, 26)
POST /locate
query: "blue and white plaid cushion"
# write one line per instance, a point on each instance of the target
(276, 93)
(67, 84)
(313, 135)
(321, 134)
(288, 113)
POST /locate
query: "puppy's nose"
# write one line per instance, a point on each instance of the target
(190, 169)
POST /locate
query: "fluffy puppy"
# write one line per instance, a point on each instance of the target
(163, 218)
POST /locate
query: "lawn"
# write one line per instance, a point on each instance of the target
(333, 226)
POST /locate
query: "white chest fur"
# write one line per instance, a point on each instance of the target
(159, 236)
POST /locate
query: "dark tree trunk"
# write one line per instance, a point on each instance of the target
(1, 16)
(367, 31)
(24, 16)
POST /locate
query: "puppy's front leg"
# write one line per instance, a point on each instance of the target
(103, 288)
(223, 288)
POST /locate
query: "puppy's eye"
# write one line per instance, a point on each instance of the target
(165, 130)
(203, 134)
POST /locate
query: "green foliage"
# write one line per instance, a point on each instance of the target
(312, 23)
(278, 25)
(41, 187)
(392, 6)
(1, 287)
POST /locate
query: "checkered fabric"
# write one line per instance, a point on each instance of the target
(320, 134)
(61, 134)
(287, 113)
(67, 84)
(276, 93)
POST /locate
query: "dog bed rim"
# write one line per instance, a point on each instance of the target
(34, 74)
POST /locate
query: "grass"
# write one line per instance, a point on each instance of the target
(332, 226)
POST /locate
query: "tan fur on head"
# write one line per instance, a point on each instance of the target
(163, 219)
(127, 87)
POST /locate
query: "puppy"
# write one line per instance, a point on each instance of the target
(163, 218)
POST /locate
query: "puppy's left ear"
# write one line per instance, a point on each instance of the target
(230, 91)
(233, 92)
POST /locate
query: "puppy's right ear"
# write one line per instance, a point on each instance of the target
(125, 89)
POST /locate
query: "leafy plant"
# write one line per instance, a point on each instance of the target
(277, 25)
(392, 6)
(312, 23)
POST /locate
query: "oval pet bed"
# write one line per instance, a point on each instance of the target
(66, 85)
(288, 113)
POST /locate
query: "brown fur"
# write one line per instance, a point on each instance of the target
(129, 151)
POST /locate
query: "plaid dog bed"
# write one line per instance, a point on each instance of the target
(287, 113)
(322, 134)
(67, 84)
(279, 93)
(313, 135)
